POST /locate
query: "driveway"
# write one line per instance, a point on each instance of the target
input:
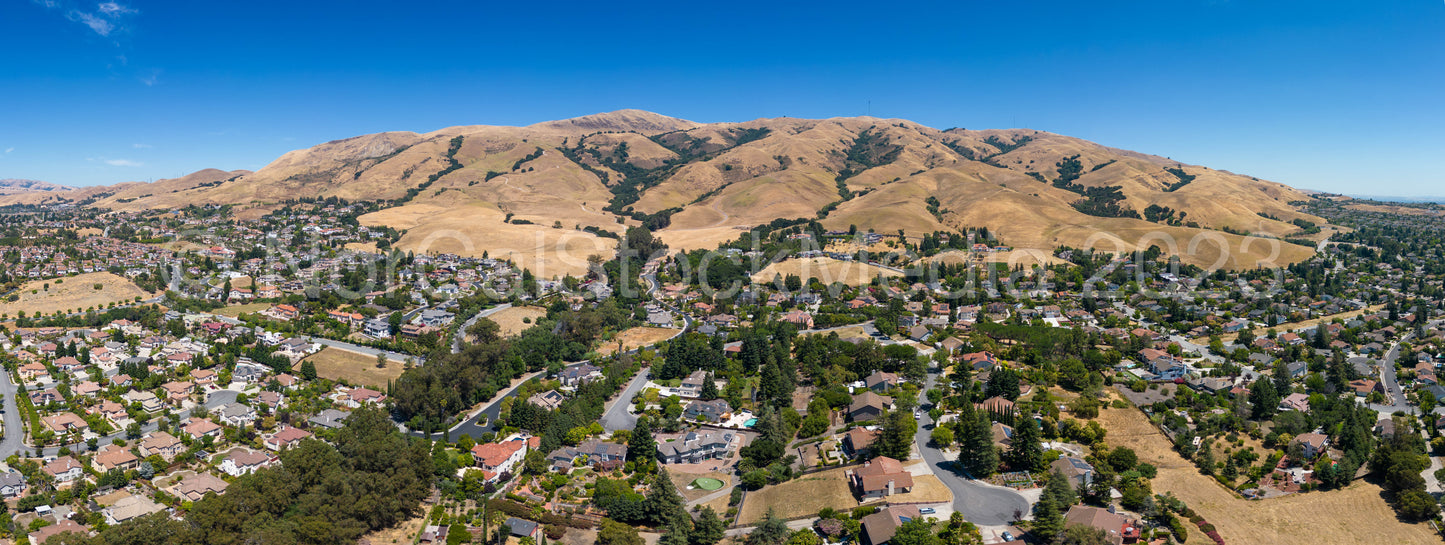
(981, 504)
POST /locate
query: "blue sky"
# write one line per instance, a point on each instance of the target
(1338, 96)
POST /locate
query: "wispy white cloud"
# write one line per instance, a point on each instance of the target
(123, 163)
(105, 19)
(8, 150)
(152, 78)
(139, 145)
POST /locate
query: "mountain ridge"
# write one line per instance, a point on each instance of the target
(698, 184)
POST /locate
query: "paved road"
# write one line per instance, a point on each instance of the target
(462, 331)
(980, 504)
(472, 425)
(617, 416)
(14, 432)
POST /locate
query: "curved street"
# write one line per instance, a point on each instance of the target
(981, 504)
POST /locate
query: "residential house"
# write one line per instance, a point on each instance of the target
(199, 428)
(243, 461)
(115, 457)
(165, 445)
(330, 418)
(286, 438)
(859, 440)
(147, 400)
(41, 536)
(194, 487)
(12, 484)
(64, 469)
(881, 381)
(236, 414)
(716, 410)
(1295, 402)
(1117, 528)
(498, 458)
(695, 446)
(575, 375)
(880, 477)
(521, 527)
(1311, 444)
(130, 507)
(1076, 470)
(691, 386)
(868, 406)
(880, 527)
(64, 423)
(550, 400)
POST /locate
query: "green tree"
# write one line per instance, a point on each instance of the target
(896, 439)
(942, 436)
(1026, 453)
(617, 533)
(663, 504)
(1061, 489)
(770, 531)
(976, 451)
(1079, 534)
(641, 447)
(918, 531)
(308, 370)
(1262, 399)
(1048, 520)
(708, 529)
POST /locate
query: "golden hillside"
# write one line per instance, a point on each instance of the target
(476, 188)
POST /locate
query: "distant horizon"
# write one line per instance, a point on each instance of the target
(1334, 95)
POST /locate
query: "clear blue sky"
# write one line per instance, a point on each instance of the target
(1332, 95)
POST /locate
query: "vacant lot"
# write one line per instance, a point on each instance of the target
(237, 310)
(353, 367)
(71, 294)
(512, 319)
(801, 496)
(826, 270)
(636, 337)
(1354, 515)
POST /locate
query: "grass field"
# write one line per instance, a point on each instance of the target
(926, 489)
(510, 319)
(636, 337)
(237, 310)
(355, 368)
(801, 496)
(71, 294)
(1356, 514)
(826, 270)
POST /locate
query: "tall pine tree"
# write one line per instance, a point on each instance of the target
(1026, 452)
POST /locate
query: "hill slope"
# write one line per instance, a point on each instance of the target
(475, 188)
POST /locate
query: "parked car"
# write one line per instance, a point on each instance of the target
(925, 510)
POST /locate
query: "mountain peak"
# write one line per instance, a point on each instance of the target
(640, 121)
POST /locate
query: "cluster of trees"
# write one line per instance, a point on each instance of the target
(662, 509)
(427, 397)
(372, 479)
(580, 410)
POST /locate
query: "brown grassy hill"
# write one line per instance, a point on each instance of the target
(700, 184)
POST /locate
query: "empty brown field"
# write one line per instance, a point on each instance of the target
(237, 310)
(801, 496)
(681, 480)
(355, 368)
(825, 269)
(1357, 514)
(636, 337)
(71, 294)
(510, 319)
(926, 489)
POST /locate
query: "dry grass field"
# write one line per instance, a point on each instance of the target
(510, 319)
(926, 489)
(1261, 331)
(826, 270)
(1354, 515)
(801, 496)
(237, 310)
(353, 367)
(70, 294)
(636, 337)
(405, 532)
